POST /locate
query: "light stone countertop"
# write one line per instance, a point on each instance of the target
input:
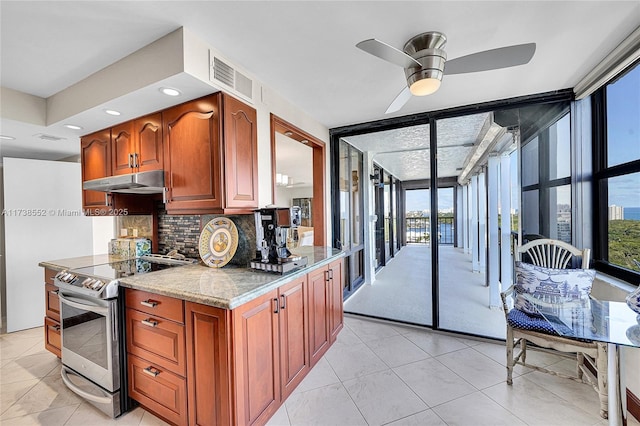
(81, 262)
(227, 287)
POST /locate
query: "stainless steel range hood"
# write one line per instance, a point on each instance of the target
(151, 182)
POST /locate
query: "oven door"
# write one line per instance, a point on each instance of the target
(89, 338)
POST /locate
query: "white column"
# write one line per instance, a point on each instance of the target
(506, 262)
(473, 225)
(459, 217)
(482, 222)
(465, 219)
(493, 172)
(369, 225)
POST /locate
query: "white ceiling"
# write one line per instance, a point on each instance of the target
(305, 51)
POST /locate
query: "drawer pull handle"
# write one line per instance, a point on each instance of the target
(149, 303)
(54, 328)
(150, 323)
(151, 371)
(54, 292)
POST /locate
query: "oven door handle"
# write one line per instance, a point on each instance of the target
(86, 395)
(91, 308)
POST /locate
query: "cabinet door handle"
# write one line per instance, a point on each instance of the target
(151, 371)
(54, 292)
(150, 323)
(277, 305)
(131, 161)
(326, 276)
(282, 306)
(136, 163)
(55, 328)
(149, 303)
(330, 274)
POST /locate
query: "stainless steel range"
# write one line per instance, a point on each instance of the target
(92, 334)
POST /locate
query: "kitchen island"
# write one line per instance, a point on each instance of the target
(227, 346)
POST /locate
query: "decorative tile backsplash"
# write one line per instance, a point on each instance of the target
(182, 232)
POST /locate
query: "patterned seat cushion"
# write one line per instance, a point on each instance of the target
(523, 321)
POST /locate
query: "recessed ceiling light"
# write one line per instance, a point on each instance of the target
(9, 138)
(112, 112)
(170, 92)
(304, 141)
(288, 133)
(72, 127)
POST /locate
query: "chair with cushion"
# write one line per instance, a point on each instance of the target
(547, 278)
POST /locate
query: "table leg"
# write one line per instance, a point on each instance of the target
(613, 387)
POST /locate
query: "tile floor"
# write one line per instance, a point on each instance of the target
(376, 373)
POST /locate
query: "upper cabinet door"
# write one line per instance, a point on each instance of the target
(148, 154)
(122, 148)
(95, 156)
(240, 155)
(192, 156)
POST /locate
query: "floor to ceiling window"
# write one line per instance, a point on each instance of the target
(350, 213)
(616, 110)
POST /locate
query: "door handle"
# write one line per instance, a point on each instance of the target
(282, 306)
(131, 161)
(135, 160)
(277, 304)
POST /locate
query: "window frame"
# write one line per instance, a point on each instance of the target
(602, 172)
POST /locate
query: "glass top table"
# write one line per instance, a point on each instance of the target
(613, 323)
(591, 319)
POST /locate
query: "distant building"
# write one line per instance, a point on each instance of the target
(616, 212)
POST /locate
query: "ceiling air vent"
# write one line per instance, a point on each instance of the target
(238, 83)
(48, 138)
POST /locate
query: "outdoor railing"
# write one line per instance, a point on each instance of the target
(419, 231)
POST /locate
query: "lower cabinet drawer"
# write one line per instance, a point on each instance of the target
(158, 389)
(52, 336)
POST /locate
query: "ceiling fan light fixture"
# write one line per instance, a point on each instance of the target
(424, 87)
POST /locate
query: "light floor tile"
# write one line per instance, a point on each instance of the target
(537, 405)
(423, 418)
(347, 337)
(434, 343)
(383, 397)
(582, 395)
(474, 367)
(12, 346)
(28, 367)
(149, 419)
(87, 414)
(330, 405)
(350, 362)
(370, 330)
(476, 409)
(52, 417)
(12, 392)
(433, 382)
(396, 350)
(498, 353)
(320, 375)
(280, 418)
(49, 393)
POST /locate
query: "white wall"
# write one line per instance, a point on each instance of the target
(43, 221)
(284, 196)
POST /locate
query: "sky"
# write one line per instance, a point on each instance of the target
(418, 199)
(623, 136)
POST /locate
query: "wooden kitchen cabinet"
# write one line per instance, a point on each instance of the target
(240, 155)
(210, 156)
(95, 156)
(156, 354)
(257, 359)
(294, 335)
(208, 365)
(192, 156)
(137, 145)
(326, 316)
(52, 314)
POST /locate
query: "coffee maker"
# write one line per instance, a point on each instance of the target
(272, 232)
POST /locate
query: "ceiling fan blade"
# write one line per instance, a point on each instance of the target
(389, 53)
(402, 98)
(503, 57)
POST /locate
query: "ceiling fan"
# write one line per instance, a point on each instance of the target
(425, 62)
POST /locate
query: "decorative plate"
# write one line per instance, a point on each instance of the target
(218, 242)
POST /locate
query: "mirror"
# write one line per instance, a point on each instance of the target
(298, 178)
